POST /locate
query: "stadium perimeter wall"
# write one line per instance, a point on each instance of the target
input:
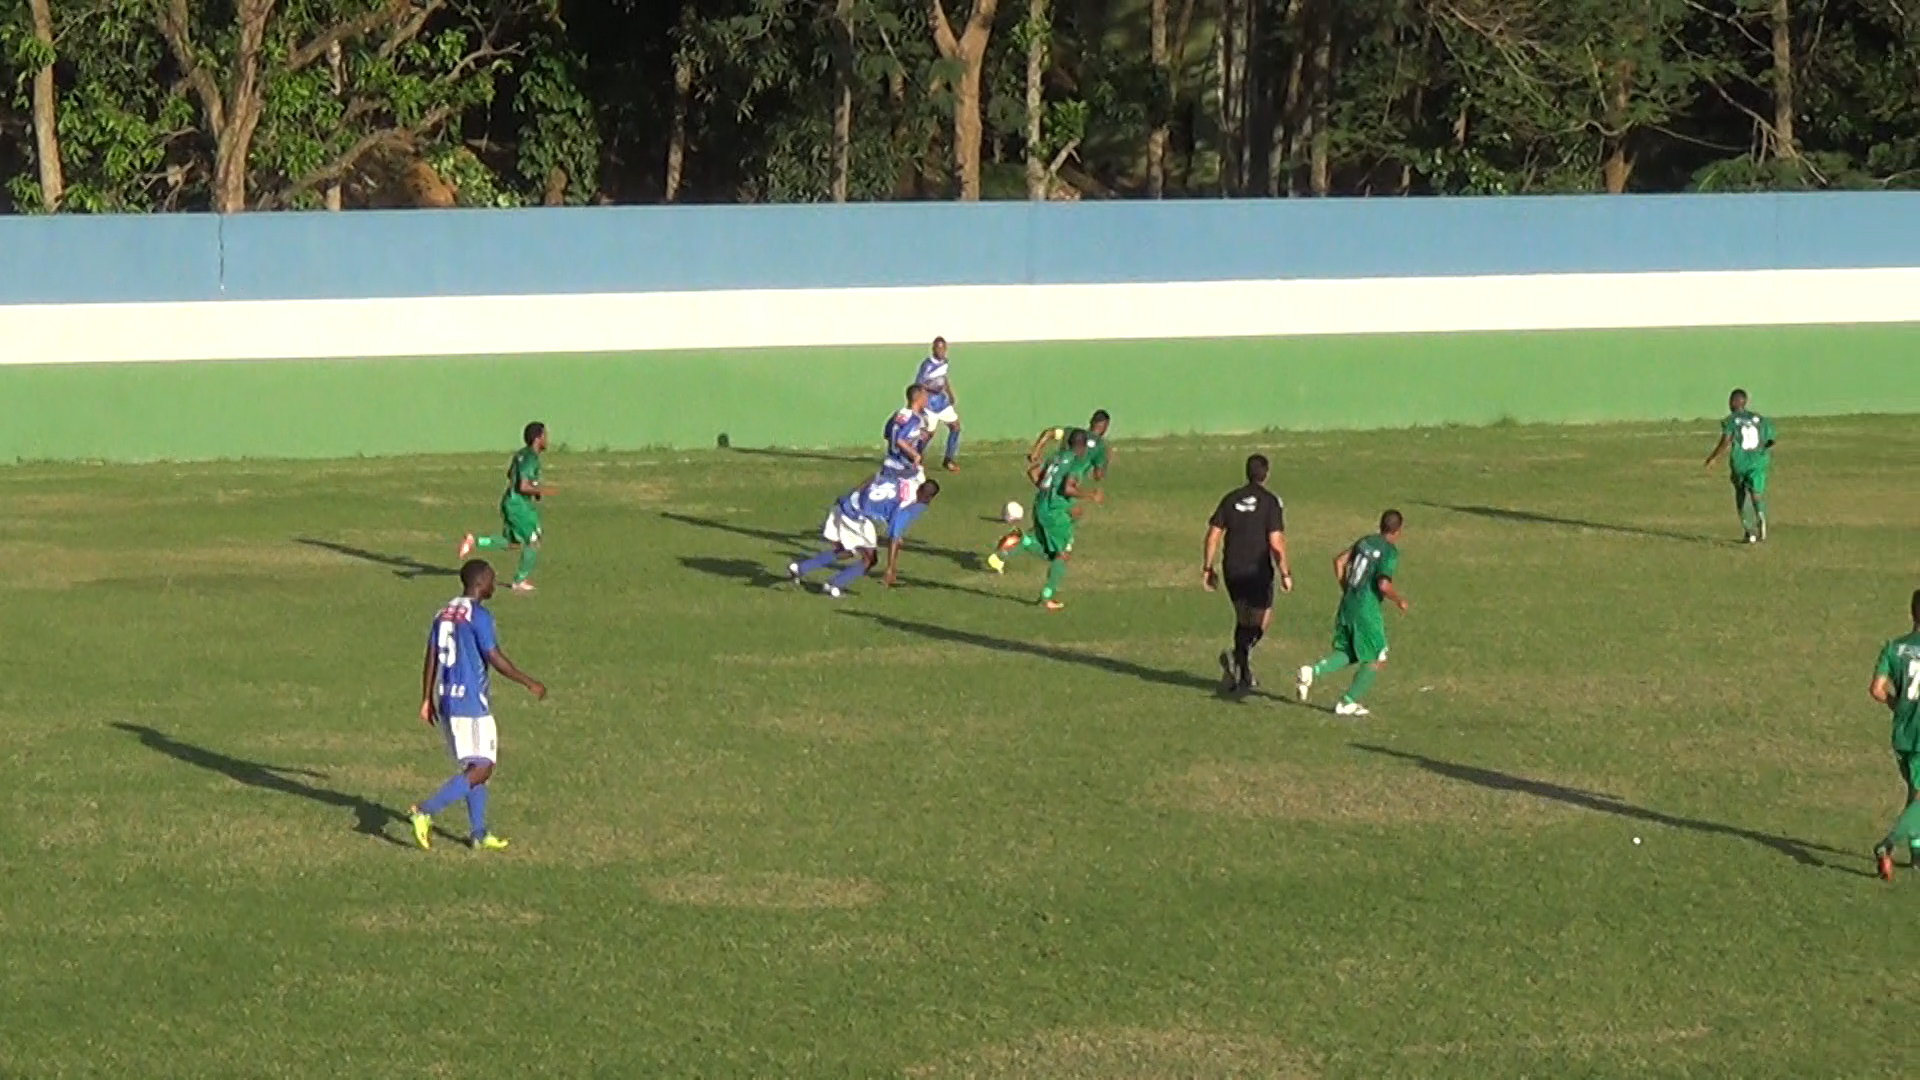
(315, 335)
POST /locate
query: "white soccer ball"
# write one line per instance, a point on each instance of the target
(1012, 513)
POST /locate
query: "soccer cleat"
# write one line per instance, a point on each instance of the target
(793, 572)
(832, 590)
(951, 466)
(1228, 678)
(996, 564)
(1052, 605)
(1305, 682)
(1751, 538)
(521, 586)
(422, 827)
(489, 842)
(1350, 708)
(1010, 541)
(1883, 861)
(466, 545)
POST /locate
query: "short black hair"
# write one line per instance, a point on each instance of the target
(915, 388)
(1257, 468)
(939, 341)
(1099, 417)
(1737, 394)
(472, 571)
(1916, 607)
(928, 489)
(532, 432)
(1077, 439)
(1390, 522)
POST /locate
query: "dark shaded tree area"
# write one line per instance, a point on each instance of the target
(136, 105)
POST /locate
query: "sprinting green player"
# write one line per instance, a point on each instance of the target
(1097, 453)
(1896, 684)
(519, 509)
(1058, 480)
(1365, 573)
(1751, 437)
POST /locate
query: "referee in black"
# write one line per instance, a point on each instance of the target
(1254, 522)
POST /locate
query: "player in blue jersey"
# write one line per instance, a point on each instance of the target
(942, 406)
(853, 528)
(907, 433)
(461, 646)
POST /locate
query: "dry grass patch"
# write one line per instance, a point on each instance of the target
(770, 892)
(1129, 1054)
(428, 918)
(1350, 795)
(34, 565)
(596, 844)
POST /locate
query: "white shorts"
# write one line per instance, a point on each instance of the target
(948, 416)
(849, 534)
(471, 738)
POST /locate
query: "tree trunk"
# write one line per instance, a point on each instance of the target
(1617, 168)
(1163, 106)
(46, 118)
(1039, 30)
(1320, 170)
(970, 49)
(842, 147)
(1783, 96)
(330, 195)
(677, 126)
(1232, 67)
(1294, 122)
(233, 140)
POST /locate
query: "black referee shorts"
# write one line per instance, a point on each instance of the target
(1252, 589)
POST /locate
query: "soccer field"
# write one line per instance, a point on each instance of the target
(937, 832)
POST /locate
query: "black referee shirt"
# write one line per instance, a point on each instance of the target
(1247, 515)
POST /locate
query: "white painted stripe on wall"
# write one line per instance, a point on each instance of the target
(454, 326)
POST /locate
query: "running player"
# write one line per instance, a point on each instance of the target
(1896, 684)
(1254, 524)
(1058, 484)
(942, 405)
(1096, 443)
(1365, 573)
(1751, 437)
(519, 509)
(461, 647)
(853, 527)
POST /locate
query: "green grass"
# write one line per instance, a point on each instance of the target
(936, 832)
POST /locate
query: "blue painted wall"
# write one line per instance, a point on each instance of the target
(495, 252)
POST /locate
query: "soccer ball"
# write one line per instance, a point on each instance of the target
(1012, 513)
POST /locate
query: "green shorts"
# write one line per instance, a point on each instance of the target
(520, 524)
(1751, 482)
(1361, 639)
(1054, 531)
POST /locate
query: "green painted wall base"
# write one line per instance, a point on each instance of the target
(841, 397)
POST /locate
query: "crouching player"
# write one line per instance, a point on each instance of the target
(854, 525)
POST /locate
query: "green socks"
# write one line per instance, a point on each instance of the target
(1328, 665)
(528, 556)
(1362, 682)
(489, 541)
(1056, 572)
(1906, 829)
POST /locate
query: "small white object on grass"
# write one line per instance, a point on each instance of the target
(1636, 840)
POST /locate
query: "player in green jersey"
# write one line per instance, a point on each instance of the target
(1058, 481)
(519, 509)
(1365, 573)
(1751, 437)
(1896, 684)
(1096, 443)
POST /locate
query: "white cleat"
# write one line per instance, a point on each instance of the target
(1305, 683)
(1350, 708)
(833, 591)
(793, 572)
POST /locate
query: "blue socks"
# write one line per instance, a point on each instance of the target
(818, 562)
(450, 792)
(953, 442)
(850, 575)
(477, 810)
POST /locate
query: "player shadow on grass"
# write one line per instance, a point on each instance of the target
(799, 455)
(803, 542)
(1185, 680)
(754, 574)
(1800, 851)
(371, 818)
(403, 567)
(1531, 517)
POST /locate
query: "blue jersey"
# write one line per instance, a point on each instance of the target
(933, 376)
(461, 638)
(878, 501)
(911, 426)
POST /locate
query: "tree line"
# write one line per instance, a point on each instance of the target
(229, 105)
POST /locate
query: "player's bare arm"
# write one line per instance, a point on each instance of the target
(529, 488)
(1391, 594)
(1719, 447)
(904, 444)
(893, 562)
(1033, 472)
(1208, 579)
(1277, 543)
(1072, 490)
(1882, 691)
(1340, 568)
(504, 666)
(427, 671)
(1046, 436)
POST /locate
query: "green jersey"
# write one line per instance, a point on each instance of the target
(1900, 664)
(525, 466)
(1096, 453)
(1064, 465)
(1751, 437)
(1370, 561)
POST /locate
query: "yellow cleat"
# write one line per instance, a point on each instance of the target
(422, 827)
(995, 563)
(489, 842)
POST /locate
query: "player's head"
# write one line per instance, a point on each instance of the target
(535, 435)
(1390, 523)
(939, 348)
(928, 489)
(476, 579)
(1077, 440)
(1737, 400)
(1098, 425)
(916, 397)
(1915, 606)
(1257, 468)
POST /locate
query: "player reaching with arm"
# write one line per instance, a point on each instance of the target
(942, 406)
(461, 649)
(1097, 451)
(519, 509)
(1896, 684)
(1750, 436)
(1252, 520)
(1058, 480)
(853, 528)
(1365, 573)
